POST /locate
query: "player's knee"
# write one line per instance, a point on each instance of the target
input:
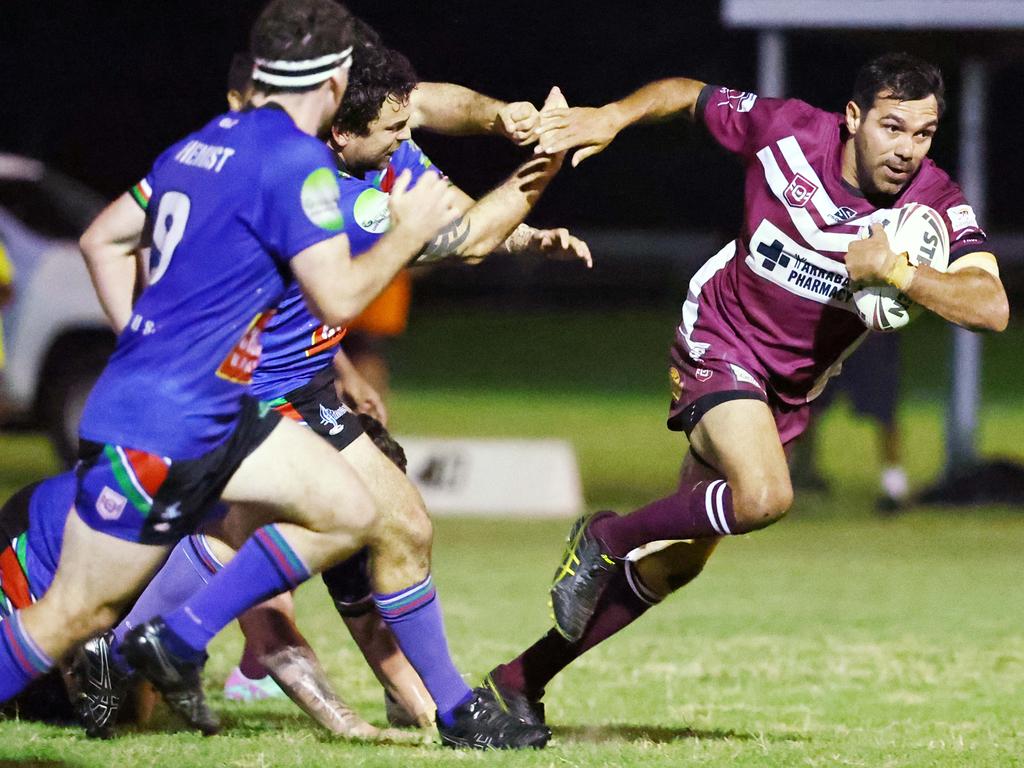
(416, 525)
(352, 513)
(762, 505)
(361, 513)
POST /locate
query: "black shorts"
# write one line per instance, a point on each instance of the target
(117, 493)
(317, 405)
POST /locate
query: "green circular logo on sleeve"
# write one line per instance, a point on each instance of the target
(371, 211)
(320, 195)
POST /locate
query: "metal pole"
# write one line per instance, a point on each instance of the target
(771, 63)
(962, 414)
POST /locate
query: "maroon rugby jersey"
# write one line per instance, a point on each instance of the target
(776, 301)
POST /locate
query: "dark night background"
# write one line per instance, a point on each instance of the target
(99, 90)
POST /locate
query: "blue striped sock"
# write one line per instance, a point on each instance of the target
(414, 616)
(21, 660)
(189, 567)
(266, 565)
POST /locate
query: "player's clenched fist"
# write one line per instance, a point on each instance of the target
(423, 210)
(518, 122)
(869, 261)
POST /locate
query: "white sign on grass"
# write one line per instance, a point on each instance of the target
(495, 477)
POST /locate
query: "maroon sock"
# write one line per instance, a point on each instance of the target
(695, 511)
(619, 607)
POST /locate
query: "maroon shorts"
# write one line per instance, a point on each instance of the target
(700, 385)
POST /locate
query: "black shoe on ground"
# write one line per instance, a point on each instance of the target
(481, 723)
(581, 578)
(98, 687)
(179, 681)
(530, 711)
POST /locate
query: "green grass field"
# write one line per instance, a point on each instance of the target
(832, 639)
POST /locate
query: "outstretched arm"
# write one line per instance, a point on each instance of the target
(594, 128)
(488, 224)
(380, 649)
(969, 293)
(456, 110)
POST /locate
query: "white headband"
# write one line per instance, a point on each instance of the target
(299, 74)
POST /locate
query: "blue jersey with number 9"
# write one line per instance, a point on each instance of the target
(226, 209)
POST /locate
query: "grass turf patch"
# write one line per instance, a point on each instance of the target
(832, 638)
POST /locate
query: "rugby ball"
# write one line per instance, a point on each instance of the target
(921, 232)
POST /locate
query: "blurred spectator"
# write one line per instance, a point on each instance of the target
(870, 380)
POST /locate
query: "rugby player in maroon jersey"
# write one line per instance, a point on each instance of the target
(767, 320)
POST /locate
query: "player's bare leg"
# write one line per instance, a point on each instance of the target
(270, 623)
(405, 561)
(404, 594)
(404, 529)
(87, 594)
(739, 439)
(295, 480)
(86, 597)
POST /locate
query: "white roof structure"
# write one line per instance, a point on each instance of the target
(960, 15)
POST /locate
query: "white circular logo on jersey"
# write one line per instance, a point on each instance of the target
(371, 211)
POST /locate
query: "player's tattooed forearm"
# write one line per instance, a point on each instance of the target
(448, 240)
(299, 673)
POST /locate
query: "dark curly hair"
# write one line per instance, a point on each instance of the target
(900, 76)
(294, 30)
(378, 73)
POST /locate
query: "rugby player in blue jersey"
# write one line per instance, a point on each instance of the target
(300, 371)
(238, 209)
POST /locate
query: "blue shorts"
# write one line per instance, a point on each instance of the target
(139, 496)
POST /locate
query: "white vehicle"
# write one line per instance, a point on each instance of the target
(56, 337)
